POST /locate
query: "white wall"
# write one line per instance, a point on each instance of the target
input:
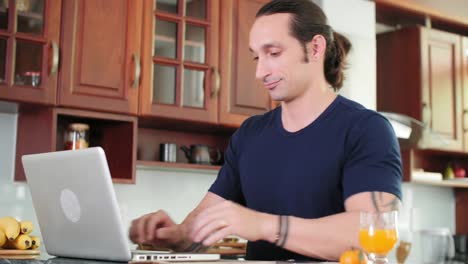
(355, 19)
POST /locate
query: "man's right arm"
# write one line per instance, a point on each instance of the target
(187, 244)
(160, 230)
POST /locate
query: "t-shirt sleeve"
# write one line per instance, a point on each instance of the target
(373, 162)
(227, 184)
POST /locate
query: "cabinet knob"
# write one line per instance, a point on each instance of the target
(217, 82)
(137, 73)
(54, 59)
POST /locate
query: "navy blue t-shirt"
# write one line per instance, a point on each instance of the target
(310, 173)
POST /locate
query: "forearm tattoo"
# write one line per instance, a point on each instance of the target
(381, 205)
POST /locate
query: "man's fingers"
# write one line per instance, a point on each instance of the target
(216, 236)
(206, 217)
(140, 227)
(166, 233)
(210, 227)
(152, 222)
(134, 231)
(143, 228)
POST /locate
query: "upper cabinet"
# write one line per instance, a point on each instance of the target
(241, 95)
(464, 54)
(175, 59)
(419, 74)
(101, 55)
(29, 37)
(442, 90)
(180, 59)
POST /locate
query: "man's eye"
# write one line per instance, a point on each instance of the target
(275, 54)
(255, 58)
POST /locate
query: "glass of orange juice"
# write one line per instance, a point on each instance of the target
(378, 234)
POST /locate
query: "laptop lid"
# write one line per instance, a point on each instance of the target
(75, 204)
(77, 209)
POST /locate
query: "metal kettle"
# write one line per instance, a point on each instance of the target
(201, 154)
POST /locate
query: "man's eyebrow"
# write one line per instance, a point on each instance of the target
(267, 46)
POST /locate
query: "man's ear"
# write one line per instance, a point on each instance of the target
(316, 47)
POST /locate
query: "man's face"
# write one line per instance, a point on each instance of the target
(280, 58)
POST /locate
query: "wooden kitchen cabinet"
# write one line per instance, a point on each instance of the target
(101, 55)
(419, 74)
(29, 37)
(180, 60)
(464, 55)
(241, 95)
(42, 129)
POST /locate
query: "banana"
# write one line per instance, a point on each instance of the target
(21, 242)
(35, 242)
(3, 238)
(26, 227)
(10, 226)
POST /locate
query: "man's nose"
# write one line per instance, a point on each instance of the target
(261, 71)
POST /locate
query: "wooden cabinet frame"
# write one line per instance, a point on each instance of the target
(47, 91)
(148, 108)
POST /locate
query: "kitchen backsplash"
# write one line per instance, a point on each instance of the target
(178, 192)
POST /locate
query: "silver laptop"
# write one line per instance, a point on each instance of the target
(77, 209)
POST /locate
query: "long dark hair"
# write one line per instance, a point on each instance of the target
(309, 20)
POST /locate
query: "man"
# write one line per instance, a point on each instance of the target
(295, 178)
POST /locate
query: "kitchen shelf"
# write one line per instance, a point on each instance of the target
(116, 134)
(177, 166)
(149, 140)
(432, 160)
(463, 183)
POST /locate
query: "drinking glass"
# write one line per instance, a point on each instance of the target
(405, 241)
(378, 234)
(403, 251)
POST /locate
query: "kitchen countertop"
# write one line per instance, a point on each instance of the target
(54, 261)
(87, 261)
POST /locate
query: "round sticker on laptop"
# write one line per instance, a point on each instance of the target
(70, 205)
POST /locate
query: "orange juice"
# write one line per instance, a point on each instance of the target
(380, 241)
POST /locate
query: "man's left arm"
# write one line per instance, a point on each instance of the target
(328, 237)
(324, 238)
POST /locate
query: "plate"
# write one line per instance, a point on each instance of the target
(19, 254)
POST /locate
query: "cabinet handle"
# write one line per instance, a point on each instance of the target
(137, 73)
(54, 60)
(465, 120)
(427, 115)
(217, 82)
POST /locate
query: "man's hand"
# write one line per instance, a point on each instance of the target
(228, 218)
(157, 229)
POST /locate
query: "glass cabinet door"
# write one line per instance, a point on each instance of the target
(28, 53)
(29, 50)
(184, 60)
